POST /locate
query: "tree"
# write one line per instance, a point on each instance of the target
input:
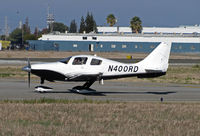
(30, 37)
(36, 32)
(90, 23)
(95, 27)
(59, 27)
(26, 27)
(136, 25)
(73, 27)
(16, 36)
(2, 37)
(45, 31)
(82, 25)
(111, 20)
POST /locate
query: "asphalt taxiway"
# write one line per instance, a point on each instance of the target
(111, 90)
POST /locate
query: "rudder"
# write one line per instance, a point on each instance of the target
(158, 58)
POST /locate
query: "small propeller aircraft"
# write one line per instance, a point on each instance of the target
(88, 68)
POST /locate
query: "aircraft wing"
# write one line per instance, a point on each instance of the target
(83, 77)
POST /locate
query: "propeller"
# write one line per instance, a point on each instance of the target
(29, 73)
(28, 69)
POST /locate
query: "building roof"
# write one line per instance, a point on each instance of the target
(167, 30)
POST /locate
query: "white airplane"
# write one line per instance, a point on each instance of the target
(88, 68)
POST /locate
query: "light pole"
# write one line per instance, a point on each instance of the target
(21, 26)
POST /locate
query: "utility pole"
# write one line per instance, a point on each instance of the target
(6, 28)
(22, 35)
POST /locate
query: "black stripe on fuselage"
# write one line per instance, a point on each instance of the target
(145, 75)
(52, 76)
(48, 75)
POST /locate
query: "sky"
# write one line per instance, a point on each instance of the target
(159, 13)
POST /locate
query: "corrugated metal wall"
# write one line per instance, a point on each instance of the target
(108, 46)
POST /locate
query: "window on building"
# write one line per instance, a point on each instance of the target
(80, 61)
(152, 46)
(123, 46)
(101, 45)
(192, 47)
(113, 46)
(65, 60)
(94, 38)
(96, 62)
(75, 45)
(84, 38)
(136, 46)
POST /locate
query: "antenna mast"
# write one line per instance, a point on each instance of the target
(50, 19)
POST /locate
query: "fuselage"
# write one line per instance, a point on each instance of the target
(89, 67)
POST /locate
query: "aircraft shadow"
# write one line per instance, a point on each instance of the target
(155, 93)
(103, 93)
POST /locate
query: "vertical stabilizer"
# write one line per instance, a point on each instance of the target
(158, 59)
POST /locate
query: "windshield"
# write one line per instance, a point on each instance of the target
(65, 60)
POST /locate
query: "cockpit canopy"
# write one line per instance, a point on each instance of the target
(81, 61)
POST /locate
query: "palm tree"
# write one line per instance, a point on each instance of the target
(136, 25)
(111, 20)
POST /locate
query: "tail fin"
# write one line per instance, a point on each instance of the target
(158, 59)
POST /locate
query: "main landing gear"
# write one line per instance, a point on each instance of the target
(85, 89)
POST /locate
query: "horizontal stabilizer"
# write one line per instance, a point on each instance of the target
(153, 71)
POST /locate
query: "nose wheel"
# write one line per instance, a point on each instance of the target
(43, 89)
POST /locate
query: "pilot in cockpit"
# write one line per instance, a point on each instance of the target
(78, 61)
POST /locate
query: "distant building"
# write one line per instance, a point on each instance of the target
(153, 30)
(121, 39)
(115, 42)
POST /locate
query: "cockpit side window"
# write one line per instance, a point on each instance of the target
(65, 60)
(96, 62)
(80, 60)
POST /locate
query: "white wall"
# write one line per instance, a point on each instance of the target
(181, 29)
(120, 38)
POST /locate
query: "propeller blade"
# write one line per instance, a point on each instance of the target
(28, 69)
(29, 79)
(29, 64)
(29, 73)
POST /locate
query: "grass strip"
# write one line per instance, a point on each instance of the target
(50, 101)
(87, 117)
